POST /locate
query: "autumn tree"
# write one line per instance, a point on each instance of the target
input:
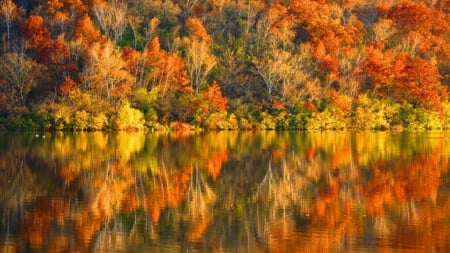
(85, 31)
(36, 32)
(403, 77)
(165, 71)
(18, 76)
(9, 12)
(111, 16)
(278, 63)
(105, 73)
(420, 26)
(199, 58)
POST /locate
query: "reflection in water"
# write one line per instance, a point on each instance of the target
(225, 192)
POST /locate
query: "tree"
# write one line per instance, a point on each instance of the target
(105, 73)
(8, 12)
(163, 70)
(421, 27)
(213, 95)
(85, 31)
(18, 76)
(403, 77)
(111, 17)
(36, 33)
(199, 59)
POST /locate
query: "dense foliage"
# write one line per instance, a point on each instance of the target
(296, 64)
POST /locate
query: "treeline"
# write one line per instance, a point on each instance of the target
(219, 64)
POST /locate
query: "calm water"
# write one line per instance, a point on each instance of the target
(225, 192)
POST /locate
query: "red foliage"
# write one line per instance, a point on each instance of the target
(403, 77)
(34, 30)
(131, 57)
(168, 69)
(339, 101)
(417, 81)
(310, 106)
(69, 86)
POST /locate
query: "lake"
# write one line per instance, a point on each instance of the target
(225, 192)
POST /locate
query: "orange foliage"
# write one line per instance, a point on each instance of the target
(405, 77)
(341, 157)
(69, 86)
(168, 194)
(55, 53)
(198, 227)
(279, 153)
(215, 162)
(167, 71)
(421, 24)
(278, 104)
(197, 29)
(85, 30)
(214, 96)
(340, 101)
(131, 57)
(281, 21)
(37, 222)
(34, 30)
(68, 174)
(378, 193)
(421, 179)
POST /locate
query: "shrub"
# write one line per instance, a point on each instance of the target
(128, 118)
(418, 118)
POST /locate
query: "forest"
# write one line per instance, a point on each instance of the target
(86, 65)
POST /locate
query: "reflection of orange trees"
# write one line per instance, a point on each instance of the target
(408, 188)
(84, 151)
(215, 161)
(104, 191)
(199, 199)
(128, 144)
(169, 190)
(38, 221)
(111, 238)
(16, 183)
(417, 179)
(342, 156)
(378, 192)
(421, 178)
(280, 188)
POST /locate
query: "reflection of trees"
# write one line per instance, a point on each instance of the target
(250, 191)
(339, 187)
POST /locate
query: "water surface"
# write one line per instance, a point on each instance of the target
(225, 192)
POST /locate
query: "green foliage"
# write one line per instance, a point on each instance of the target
(418, 118)
(25, 123)
(145, 100)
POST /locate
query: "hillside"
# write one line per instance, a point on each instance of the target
(220, 64)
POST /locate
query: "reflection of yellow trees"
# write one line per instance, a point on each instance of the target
(343, 179)
(289, 193)
(129, 144)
